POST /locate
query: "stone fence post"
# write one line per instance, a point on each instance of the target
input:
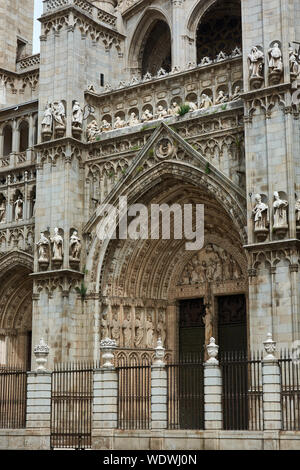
(159, 389)
(213, 415)
(38, 405)
(105, 404)
(271, 381)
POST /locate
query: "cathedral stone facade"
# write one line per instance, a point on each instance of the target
(165, 102)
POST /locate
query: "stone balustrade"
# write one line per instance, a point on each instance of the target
(28, 63)
(95, 13)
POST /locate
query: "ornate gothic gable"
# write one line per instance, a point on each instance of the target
(167, 149)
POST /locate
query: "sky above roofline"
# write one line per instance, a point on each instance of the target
(38, 9)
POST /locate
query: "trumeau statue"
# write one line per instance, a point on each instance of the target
(280, 211)
(75, 246)
(77, 115)
(260, 214)
(19, 209)
(57, 242)
(43, 249)
(256, 61)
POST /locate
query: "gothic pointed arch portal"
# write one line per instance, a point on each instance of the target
(141, 282)
(15, 308)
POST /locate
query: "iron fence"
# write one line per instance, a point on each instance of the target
(290, 391)
(134, 394)
(242, 396)
(71, 406)
(13, 393)
(186, 392)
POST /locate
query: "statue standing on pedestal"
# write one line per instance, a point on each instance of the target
(43, 249)
(77, 115)
(261, 214)
(57, 242)
(280, 211)
(255, 62)
(19, 209)
(75, 246)
(2, 211)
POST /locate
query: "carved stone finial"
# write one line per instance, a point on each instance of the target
(270, 348)
(212, 351)
(41, 352)
(107, 347)
(159, 353)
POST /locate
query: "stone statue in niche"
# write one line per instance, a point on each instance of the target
(92, 131)
(147, 115)
(75, 246)
(206, 101)
(77, 115)
(105, 126)
(139, 331)
(59, 114)
(275, 64)
(256, 67)
(256, 61)
(236, 94)
(280, 212)
(47, 119)
(119, 123)
(261, 216)
(161, 329)
(127, 333)
(115, 331)
(297, 208)
(221, 98)
(57, 246)
(43, 249)
(294, 63)
(161, 112)
(133, 120)
(149, 332)
(174, 109)
(2, 212)
(19, 209)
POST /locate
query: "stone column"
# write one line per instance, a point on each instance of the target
(271, 387)
(159, 389)
(105, 405)
(38, 408)
(213, 416)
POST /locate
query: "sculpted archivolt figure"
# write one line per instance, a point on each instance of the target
(261, 215)
(43, 249)
(19, 209)
(57, 246)
(280, 212)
